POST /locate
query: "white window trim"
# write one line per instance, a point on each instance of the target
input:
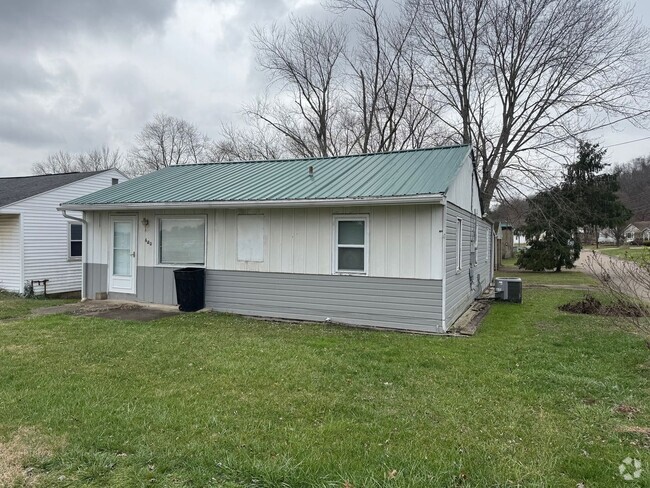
(160, 217)
(335, 244)
(70, 256)
(459, 244)
(487, 245)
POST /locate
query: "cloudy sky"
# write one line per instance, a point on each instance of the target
(77, 74)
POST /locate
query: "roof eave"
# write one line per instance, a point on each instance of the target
(438, 198)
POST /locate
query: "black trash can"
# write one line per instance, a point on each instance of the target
(190, 289)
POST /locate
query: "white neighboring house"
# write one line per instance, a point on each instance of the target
(638, 230)
(37, 242)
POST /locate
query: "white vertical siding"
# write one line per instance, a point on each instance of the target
(45, 233)
(10, 253)
(464, 192)
(403, 240)
(301, 240)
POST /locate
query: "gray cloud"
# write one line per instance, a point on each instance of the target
(77, 74)
(41, 22)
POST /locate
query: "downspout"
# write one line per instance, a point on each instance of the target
(84, 225)
(444, 265)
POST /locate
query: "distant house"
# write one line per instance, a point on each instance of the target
(638, 231)
(36, 242)
(393, 240)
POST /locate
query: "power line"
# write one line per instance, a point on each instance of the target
(628, 142)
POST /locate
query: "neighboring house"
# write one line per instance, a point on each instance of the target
(388, 240)
(36, 242)
(638, 231)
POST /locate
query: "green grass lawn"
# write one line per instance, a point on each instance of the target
(11, 305)
(564, 277)
(637, 254)
(219, 400)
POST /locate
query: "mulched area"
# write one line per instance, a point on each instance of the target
(592, 306)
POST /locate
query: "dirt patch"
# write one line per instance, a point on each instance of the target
(139, 314)
(107, 310)
(628, 410)
(20, 454)
(592, 306)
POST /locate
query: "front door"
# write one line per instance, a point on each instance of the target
(122, 265)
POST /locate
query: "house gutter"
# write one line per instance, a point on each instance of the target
(84, 225)
(337, 202)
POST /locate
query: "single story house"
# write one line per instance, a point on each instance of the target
(393, 240)
(639, 231)
(37, 244)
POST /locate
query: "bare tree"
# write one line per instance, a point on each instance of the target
(58, 162)
(519, 78)
(255, 141)
(635, 187)
(167, 141)
(305, 58)
(94, 160)
(350, 85)
(627, 284)
(100, 159)
(384, 86)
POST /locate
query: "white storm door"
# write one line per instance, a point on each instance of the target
(122, 267)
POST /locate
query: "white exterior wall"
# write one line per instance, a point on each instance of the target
(459, 192)
(298, 240)
(10, 253)
(45, 233)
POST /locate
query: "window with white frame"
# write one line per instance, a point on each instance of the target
(75, 247)
(181, 240)
(351, 244)
(487, 245)
(459, 244)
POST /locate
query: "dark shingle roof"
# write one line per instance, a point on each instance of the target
(642, 224)
(16, 188)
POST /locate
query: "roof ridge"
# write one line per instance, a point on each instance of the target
(320, 158)
(56, 174)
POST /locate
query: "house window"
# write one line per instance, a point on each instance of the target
(351, 244)
(459, 244)
(487, 245)
(75, 249)
(114, 181)
(181, 240)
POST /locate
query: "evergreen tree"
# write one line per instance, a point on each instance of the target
(584, 199)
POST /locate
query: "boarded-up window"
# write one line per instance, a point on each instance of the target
(250, 238)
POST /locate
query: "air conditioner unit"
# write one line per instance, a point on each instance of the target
(508, 289)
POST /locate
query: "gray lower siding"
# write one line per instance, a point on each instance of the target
(153, 285)
(463, 286)
(397, 303)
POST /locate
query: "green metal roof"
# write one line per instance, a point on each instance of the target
(392, 174)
